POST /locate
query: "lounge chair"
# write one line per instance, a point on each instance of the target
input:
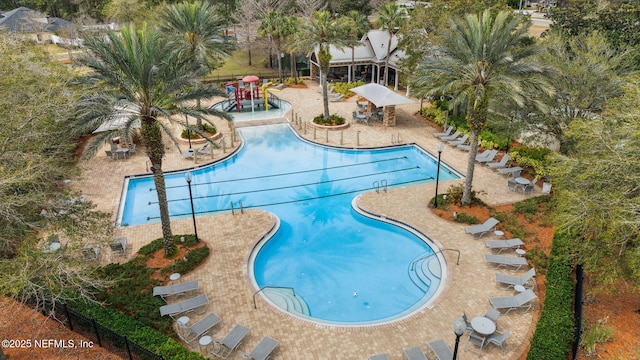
(195, 331)
(487, 156)
(202, 151)
(413, 353)
(451, 137)
(445, 133)
(379, 357)
(507, 261)
(464, 147)
(441, 350)
(231, 342)
(335, 97)
(184, 306)
(479, 230)
(177, 289)
(459, 141)
(522, 301)
(499, 164)
(501, 245)
(263, 350)
(512, 281)
(499, 339)
(510, 171)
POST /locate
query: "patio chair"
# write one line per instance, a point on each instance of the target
(90, 252)
(507, 261)
(522, 301)
(529, 188)
(225, 347)
(512, 281)
(467, 323)
(512, 185)
(118, 247)
(440, 350)
(379, 357)
(445, 133)
(195, 331)
(487, 156)
(492, 314)
(451, 137)
(475, 339)
(546, 188)
(501, 245)
(510, 171)
(499, 164)
(459, 141)
(174, 290)
(110, 154)
(263, 350)
(185, 306)
(132, 148)
(413, 353)
(479, 230)
(499, 339)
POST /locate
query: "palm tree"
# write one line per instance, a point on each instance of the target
(390, 17)
(141, 75)
(279, 27)
(318, 34)
(359, 26)
(199, 26)
(483, 58)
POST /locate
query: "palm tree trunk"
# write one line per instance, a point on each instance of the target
(325, 93)
(471, 165)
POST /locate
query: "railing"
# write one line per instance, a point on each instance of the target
(380, 184)
(255, 306)
(413, 263)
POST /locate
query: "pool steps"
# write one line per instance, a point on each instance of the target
(287, 301)
(424, 271)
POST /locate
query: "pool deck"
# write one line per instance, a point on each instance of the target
(231, 237)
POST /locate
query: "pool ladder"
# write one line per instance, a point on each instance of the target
(241, 209)
(380, 184)
(396, 140)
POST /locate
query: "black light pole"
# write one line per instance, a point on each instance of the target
(187, 177)
(459, 327)
(435, 201)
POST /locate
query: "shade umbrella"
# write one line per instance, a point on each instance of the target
(251, 79)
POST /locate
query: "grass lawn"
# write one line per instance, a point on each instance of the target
(236, 66)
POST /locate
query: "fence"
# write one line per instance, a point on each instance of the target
(100, 332)
(235, 77)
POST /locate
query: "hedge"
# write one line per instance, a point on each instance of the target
(555, 329)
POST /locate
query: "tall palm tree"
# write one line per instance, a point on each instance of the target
(318, 34)
(483, 58)
(141, 77)
(279, 27)
(359, 26)
(201, 28)
(390, 17)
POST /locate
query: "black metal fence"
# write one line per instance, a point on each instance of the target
(100, 332)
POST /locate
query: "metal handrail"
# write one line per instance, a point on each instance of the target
(413, 263)
(255, 306)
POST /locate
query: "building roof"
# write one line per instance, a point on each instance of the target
(26, 20)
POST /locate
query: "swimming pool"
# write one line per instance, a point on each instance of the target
(344, 267)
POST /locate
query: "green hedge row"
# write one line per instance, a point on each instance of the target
(136, 332)
(555, 329)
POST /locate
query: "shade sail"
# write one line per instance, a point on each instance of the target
(381, 96)
(121, 116)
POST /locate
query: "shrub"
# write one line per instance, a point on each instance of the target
(594, 335)
(334, 119)
(454, 196)
(191, 259)
(467, 219)
(345, 88)
(186, 134)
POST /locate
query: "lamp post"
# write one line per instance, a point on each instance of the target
(435, 200)
(459, 327)
(187, 176)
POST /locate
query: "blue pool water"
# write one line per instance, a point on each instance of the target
(323, 249)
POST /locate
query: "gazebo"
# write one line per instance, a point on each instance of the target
(380, 96)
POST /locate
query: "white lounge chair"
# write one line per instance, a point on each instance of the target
(451, 137)
(507, 261)
(512, 281)
(487, 156)
(191, 333)
(379, 357)
(499, 164)
(263, 350)
(203, 150)
(510, 171)
(177, 289)
(413, 353)
(521, 301)
(335, 97)
(445, 133)
(459, 141)
(479, 230)
(231, 342)
(501, 245)
(440, 350)
(185, 306)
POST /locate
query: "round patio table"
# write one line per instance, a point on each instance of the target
(522, 181)
(483, 325)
